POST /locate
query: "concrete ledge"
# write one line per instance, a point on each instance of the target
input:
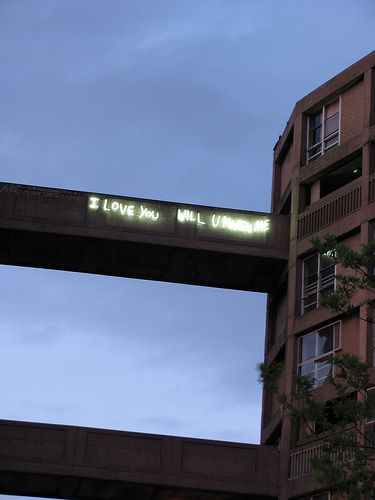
(67, 461)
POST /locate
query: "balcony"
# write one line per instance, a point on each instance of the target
(330, 209)
(301, 460)
(371, 189)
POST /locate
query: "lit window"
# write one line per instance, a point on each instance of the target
(315, 353)
(318, 279)
(323, 130)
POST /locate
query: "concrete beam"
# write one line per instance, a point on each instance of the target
(84, 463)
(148, 239)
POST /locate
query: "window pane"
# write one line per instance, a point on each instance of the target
(307, 346)
(324, 340)
(326, 262)
(315, 152)
(327, 275)
(371, 402)
(322, 371)
(307, 370)
(327, 271)
(315, 136)
(315, 120)
(331, 109)
(332, 141)
(331, 125)
(310, 268)
(310, 302)
(336, 336)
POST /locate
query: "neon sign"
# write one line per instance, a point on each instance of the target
(207, 222)
(125, 209)
(220, 221)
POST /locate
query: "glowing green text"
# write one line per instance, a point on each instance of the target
(209, 222)
(123, 208)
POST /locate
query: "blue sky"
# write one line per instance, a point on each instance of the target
(179, 100)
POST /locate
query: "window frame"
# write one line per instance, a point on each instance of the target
(370, 420)
(321, 143)
(316, 495)
(336, 337)
(319, 287)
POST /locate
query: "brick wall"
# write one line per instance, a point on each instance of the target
(352, 112)
(286, 170)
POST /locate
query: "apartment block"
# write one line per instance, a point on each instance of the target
(324, 179)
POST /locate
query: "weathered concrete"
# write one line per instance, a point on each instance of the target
(75, 462)
(56, 229)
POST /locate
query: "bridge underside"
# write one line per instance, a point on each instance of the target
(49, 486)
(138, 260)
(74, 462)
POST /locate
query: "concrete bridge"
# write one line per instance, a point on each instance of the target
(74, 462)
(113, 235)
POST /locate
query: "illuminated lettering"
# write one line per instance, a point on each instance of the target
(262, 225)
(94, 202)
(199, 219)
(207, 221)
(216, 221)
(240, 225)
(105, 207)
(148, 214)
(189, 216)
(182, 215)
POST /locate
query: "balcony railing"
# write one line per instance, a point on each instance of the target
(329, 210)
(301, 461)
(371, 189)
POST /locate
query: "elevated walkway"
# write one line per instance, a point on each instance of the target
(76, 462)
(148, 239)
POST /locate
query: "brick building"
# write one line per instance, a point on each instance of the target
(324, 177)
(323, 182)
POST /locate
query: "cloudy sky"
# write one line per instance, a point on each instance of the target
(179, 100)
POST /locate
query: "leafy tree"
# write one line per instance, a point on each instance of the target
(346, 460)
(357, 274)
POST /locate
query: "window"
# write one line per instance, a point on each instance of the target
(315, 353)
(323, 130)
(371, 402)
(318, 279)
(319, 496)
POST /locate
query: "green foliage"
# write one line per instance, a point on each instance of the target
(346, 454)
(358, 272)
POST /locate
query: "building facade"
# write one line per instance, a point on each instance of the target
(324, 178)
(323, 182)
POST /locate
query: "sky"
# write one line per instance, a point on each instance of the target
(178, 100)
